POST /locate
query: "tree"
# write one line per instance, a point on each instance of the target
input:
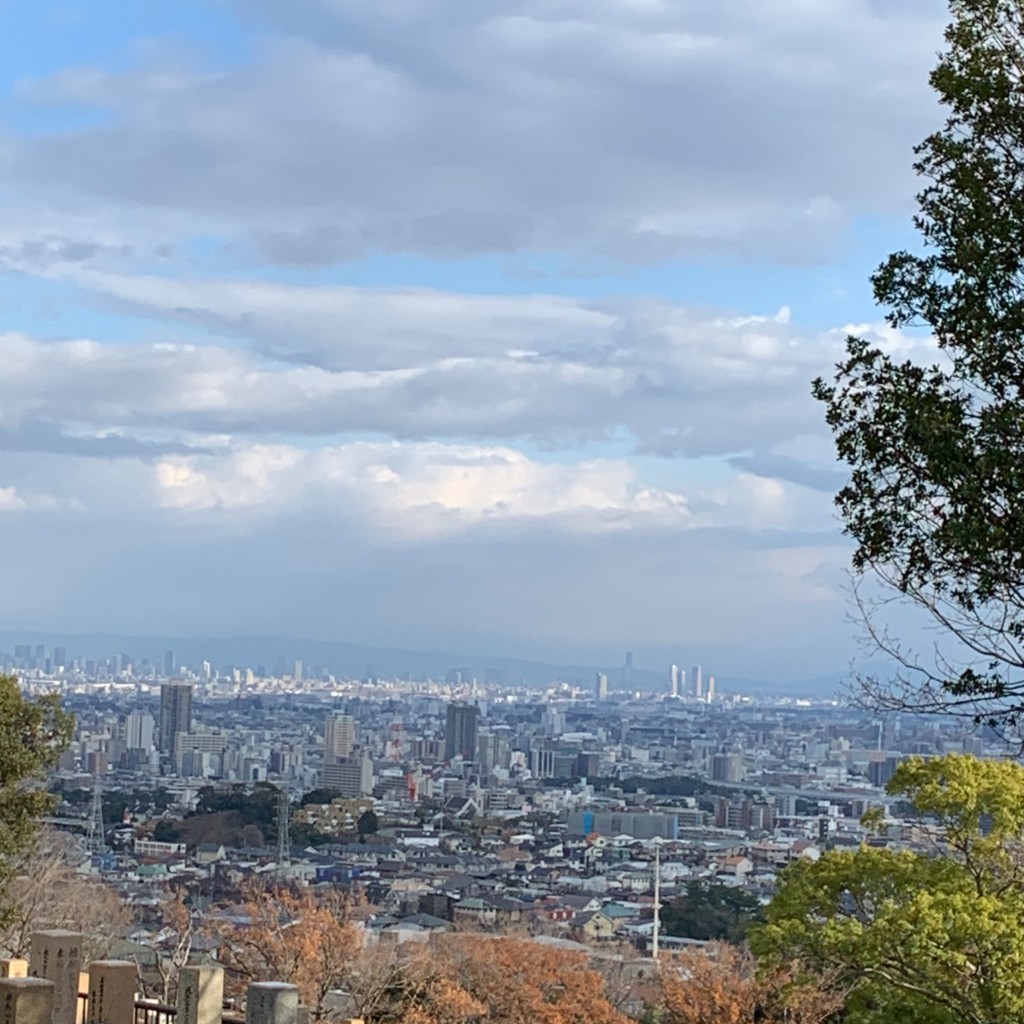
(321, 795)
(293, 936)
(722, 985)
(367, 824)
(462, 979)
(711, 911)
(930, 935)
(47, 892)
(173, 946)
(935, 502)
(32, 735)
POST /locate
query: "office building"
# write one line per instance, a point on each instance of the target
(494, 748)
(198, 754)
(339, 737)
(460, 731)
(711, 689)
(170, 665)
(639, 825)
(880, 772)
(139, 728)
(175, 713)
(601, 686)
(60, 658)
(697, 682)
(743, 815)
(674, 680)
(351, 777)
(727, 768)
(297, 670)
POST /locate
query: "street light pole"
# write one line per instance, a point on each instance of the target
(657, 898)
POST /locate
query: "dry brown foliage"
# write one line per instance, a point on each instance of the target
(294, 935)
(462, 979)
(720, 984)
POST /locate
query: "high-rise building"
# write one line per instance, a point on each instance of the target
(351, 777)
(697, 682)
(711, 689)
(170, 665)
(727, 768)
(460, 731)
(493, 748)
(138, 731)
(601, 686)
(339, 737)
(60, 658)
(175, 712)
(674, 680)
(297, 670)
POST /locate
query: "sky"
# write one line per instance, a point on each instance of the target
(485, 326)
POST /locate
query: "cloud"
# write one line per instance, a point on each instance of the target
(10, 500)
(701, 594)
(419, 363)
(418, 465)
(405, 491)
(637, 131)
(40, 437)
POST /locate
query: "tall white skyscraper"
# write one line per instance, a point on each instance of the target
(711, 689)
(139, 728)
(674, 680)
(697, 682)
(339, 737)
(601, 686)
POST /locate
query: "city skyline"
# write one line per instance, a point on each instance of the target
(249, 659)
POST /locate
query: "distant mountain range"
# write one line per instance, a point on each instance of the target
(278, 655)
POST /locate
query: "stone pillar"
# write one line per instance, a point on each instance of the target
(26, 1001)
(14, 968)
(200, 995)
(111, 992)
(57, 956)
(272, 1002)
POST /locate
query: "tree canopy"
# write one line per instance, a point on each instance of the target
(935, 502)
(32, 735)
(931, 934)
(711, 911)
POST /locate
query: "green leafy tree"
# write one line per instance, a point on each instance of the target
(935, 502)
(367, 824)
(931, 935)
(32, 735)
(167, 832)
(321, 795)
(711, 911)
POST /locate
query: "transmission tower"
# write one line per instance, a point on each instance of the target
(284, 846)
(95, 839)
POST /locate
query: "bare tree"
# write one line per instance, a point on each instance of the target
(173, 949)
(48, 892)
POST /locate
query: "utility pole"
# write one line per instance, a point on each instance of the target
(657, 898)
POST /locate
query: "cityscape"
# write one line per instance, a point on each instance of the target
(495, 804)
(512, 512)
